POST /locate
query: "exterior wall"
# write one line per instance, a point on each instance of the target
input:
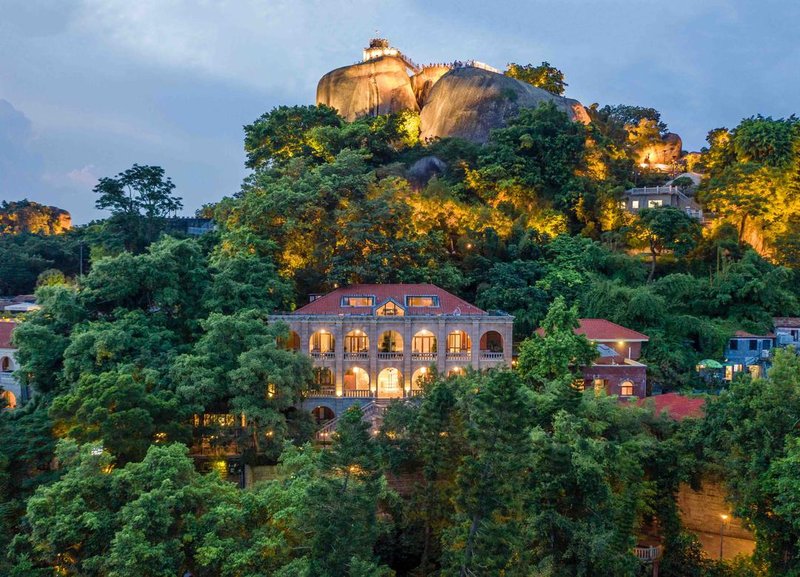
(406, 362)
(701, 513)
(7, 380)
(614, 375)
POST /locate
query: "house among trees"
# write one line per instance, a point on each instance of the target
(616, 369)
(379, 341)
(635, 199)
(748, 352)
(12, 393)
(787, 331)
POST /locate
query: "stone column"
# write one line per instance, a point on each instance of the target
(305, 335)
(407, 371)
(441, 346)
(372, 333)
(475, 337)
(338, 347)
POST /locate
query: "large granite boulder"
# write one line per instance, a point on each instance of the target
(469, 102)
(423, 81)
(380, 86)
(665, 152)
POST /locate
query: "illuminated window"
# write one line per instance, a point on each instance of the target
(361, 301)
(634, 204)
(626, 389)
(390, 309)
(322, 342)
(458, 342)
(655, 203)
(422, 301)
(356, 342)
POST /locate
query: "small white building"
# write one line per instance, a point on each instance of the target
(10, 389)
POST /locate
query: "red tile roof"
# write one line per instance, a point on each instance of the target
(746, 335)
(603, 330)
(331, 303)
(6, 327)
(676, 406)
(787, 322)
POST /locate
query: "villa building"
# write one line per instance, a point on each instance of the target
(616, 369)
(10, 389)
(787, 331)
(748, 352)
(374, 341)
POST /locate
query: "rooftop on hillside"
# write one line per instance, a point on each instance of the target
(405, 299)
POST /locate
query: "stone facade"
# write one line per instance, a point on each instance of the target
(366, 355)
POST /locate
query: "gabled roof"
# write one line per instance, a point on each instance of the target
(331, 303)
(786, 322)
(746, 335)
(603, 330)
(6, 328)
(676, 406)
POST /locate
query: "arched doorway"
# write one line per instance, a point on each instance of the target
(323, 379)
(491, 344)
(458, 344)
(10, 400)
(289, 342)
(322, 342)
(455, 372)
(390, 345)
(390, 383)
(5, 365)
(419, 378)
(356, 382)
(423, 345)
(323, 414)
(356, 343)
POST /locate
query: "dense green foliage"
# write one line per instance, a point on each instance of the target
(165, 344)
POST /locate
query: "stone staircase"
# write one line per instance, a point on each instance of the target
(373, 414)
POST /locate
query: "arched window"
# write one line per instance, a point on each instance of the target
(322, 342)
(323, 376)
(419, 378)
(390, 342)
(626, 389)
(424, 344)
(455, 372)
(9, 400)
(356, 379)
(355, 342)
(5, 364)
(323, 414)
(458, 342)
(491, 342)
(290, 342)
(390, 383)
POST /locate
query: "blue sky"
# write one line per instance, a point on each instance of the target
(89, 87)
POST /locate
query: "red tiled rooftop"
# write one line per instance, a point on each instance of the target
(745, 334)
(6, 328)
(330, 304)
(603, 330)
(787, 322)
(676, 406)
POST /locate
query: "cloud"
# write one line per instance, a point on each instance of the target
(20, 164)
(84, 177)
(249, 42)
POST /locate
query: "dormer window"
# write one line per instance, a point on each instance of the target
(422, 301)
(390, 309)
(358, 301)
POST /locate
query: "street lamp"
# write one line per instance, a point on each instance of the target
(724, 518)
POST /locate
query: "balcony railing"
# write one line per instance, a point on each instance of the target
(394, 356)
(459, 355)
(356, 393)
(491, 356)
(326, 355)
(424, 356)
(648, 553)
(414, 392)
(325, 391)
(359, 356)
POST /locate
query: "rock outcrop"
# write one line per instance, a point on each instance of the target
(423, 81)
(665, 152)
(380, 86)
(469, 102)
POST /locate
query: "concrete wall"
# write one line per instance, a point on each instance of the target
(614, 375)
(701, 513)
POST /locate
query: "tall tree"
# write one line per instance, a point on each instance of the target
(667, 228)
(544, 76)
